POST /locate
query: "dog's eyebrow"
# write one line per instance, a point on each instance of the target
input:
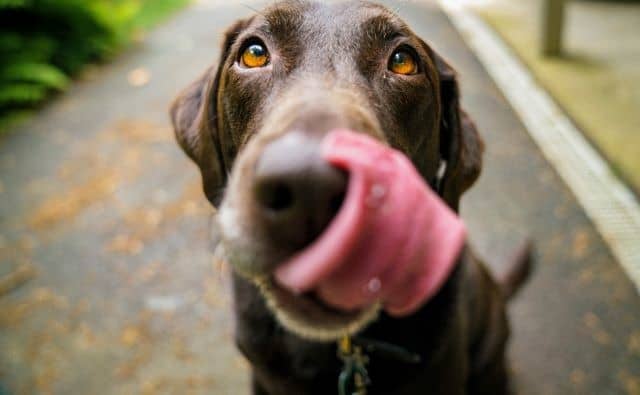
(282, 20)
(382, 28)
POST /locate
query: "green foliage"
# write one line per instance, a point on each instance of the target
(152, 11)
(36, 73)
(22, 94)
(45, 42)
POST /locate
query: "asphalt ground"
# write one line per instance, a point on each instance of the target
(125, 298)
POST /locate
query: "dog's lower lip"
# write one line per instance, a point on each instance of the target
(312, 297)
(310, 318)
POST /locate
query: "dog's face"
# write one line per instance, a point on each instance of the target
(288, 76)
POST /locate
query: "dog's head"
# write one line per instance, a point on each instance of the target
(286, 77)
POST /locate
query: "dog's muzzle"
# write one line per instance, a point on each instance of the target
(359, 228)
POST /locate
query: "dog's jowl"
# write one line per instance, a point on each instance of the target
(331, 140)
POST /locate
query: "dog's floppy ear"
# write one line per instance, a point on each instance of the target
(460, 144)
(195, 121)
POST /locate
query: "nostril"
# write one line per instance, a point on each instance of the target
(335, 202)
(275, 196)
(295, 192)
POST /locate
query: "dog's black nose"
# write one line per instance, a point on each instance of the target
(297, 192)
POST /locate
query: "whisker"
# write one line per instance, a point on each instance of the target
(252, 9)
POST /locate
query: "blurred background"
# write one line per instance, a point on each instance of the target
(587, 55)
(107, 284)
(46, 43)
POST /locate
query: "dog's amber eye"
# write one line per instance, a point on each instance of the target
(255, 55)
(403, 62)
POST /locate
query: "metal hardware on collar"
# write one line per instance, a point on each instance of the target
(354, 378)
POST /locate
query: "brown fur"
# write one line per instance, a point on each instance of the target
(328, 70)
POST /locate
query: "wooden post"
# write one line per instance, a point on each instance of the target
(552, 26)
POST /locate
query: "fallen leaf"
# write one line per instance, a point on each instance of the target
(130, 336)
(634, 343)
(74, 200)
(578, 377)
(580, 244)
(139, 77)
(125, 244)
(591, 320)
(16, 278)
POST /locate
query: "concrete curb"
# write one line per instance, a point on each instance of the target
(610, 205)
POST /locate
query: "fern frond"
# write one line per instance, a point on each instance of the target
(12, 3)
(20, 94)
(39, 73)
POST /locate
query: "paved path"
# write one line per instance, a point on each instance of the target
(96, 196)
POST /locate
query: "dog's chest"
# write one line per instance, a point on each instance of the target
(286, 364)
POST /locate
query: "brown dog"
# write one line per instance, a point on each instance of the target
(253, 125)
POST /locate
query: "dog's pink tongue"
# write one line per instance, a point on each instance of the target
(393, 240)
